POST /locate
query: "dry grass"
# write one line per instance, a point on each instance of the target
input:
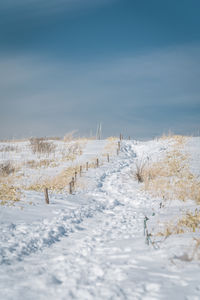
(9, 193)
(72, 151)
(33, 164)
(178, 140)
(57, 183)
(69, 136)
(6, 168)
(187, 223)
(61, 181)
(171, 178)
(39, 145)
(139, 173)
(190, 222)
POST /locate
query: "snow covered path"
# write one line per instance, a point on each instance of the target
(93, 247)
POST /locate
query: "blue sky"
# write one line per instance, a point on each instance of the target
(132, 65)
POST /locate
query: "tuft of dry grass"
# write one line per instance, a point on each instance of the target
(9, 193)
(171, 178)
(190, 222)
(6, 168)
(39, 145)
(139, 173)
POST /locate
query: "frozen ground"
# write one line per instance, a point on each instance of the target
(91, 245)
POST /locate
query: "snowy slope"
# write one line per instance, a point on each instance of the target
(91, 245)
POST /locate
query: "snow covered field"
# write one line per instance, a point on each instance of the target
(101, 242)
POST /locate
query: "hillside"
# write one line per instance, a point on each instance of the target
(129, 229)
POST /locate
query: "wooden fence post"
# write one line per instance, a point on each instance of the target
(75, 175)
(70, 187)
(73, 182)
(46, 195)
(97, 162)
(118, 145)
(80, 170)
(86, 166)
(108, 157)
(117, 151)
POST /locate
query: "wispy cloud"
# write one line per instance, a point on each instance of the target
(147, 93)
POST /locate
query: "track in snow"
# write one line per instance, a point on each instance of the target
(95, 248)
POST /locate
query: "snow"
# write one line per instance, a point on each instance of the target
(91, 245)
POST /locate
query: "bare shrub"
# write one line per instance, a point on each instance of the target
(6, 168)
(39, 145)
(139, 172)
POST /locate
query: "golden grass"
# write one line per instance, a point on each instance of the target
(171, 178)
(33, 164)
(61, 181)
(190, 222)
(178, 139)
(9, 193)
(57, 183)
